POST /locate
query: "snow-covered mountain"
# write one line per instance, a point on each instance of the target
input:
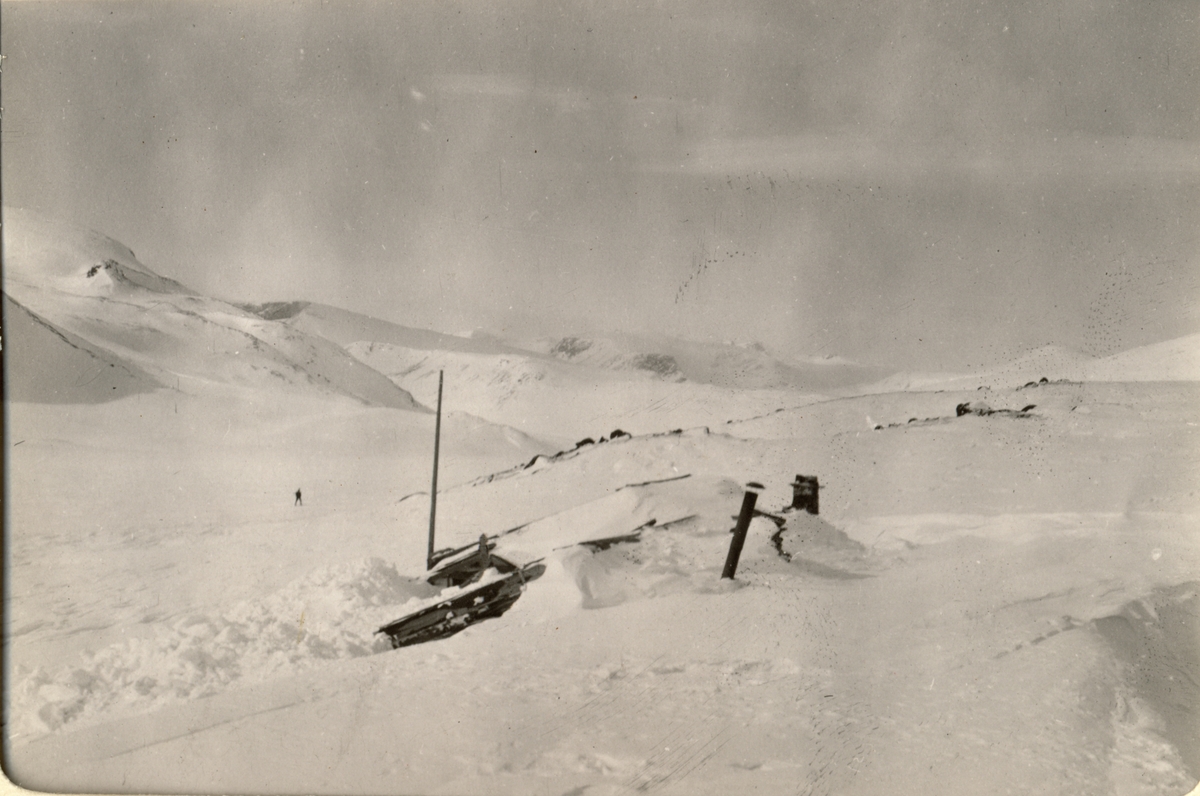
(86, 302)
(730, 365)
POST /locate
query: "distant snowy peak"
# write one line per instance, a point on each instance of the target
(45, 254)
(608, 354)
(749, 366)
(84, 311)
(733, 365)
(112, 277)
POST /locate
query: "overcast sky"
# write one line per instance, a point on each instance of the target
(913, 184)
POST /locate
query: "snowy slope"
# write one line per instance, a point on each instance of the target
(969, 578)
(344, 327)
(1049, 362)
(723, 365)
(1170, 360)
(991, 602)
(570, 387)
(567, 401)
(92, 288)
(44, 363)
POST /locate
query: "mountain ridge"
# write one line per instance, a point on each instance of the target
(81, 300)
(79, 297)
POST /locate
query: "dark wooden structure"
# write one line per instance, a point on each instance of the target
(461, 568)
(465, 565)
(459, 612)
(805, 493)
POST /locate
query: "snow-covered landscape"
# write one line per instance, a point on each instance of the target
(998, 595)
(583, 399)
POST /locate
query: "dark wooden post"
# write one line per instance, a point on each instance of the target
(437, 441)
(805, 491)
(739, 534)
(485, 554)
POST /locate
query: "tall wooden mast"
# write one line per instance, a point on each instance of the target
(437, 439)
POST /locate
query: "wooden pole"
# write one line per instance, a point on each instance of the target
(739, 534)
(437, 439)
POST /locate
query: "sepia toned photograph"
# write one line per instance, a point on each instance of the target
(507, 397)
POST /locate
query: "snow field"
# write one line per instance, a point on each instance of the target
(986, 604)
(940, 625)
(331, 613)
(326, 615)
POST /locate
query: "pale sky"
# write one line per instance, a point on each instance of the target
(933, 185)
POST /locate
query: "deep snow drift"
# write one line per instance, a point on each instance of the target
(989, 602)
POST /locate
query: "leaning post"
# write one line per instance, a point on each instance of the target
(739, 534)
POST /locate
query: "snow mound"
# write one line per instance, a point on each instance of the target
(327, 615)
(818, 548)
(1170, 360)
(1156, 638)
(615, 515)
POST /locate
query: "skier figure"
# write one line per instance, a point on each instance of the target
(298, 502)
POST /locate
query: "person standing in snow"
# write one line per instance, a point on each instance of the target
(298, 502)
